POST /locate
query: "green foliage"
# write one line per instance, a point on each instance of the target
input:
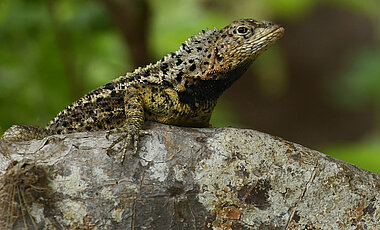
(361, 82)
(35, 75)
(364, 155)
(52, 52)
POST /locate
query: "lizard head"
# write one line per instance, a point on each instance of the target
(209, 62)
(240, 43)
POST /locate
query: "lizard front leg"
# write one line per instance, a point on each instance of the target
(134, 120)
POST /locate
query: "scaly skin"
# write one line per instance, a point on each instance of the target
(180, 89)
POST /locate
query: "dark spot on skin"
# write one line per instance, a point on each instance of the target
(234, 31)
(167, 83)
(203, 31)
(99, 126)
(154, 90)
(179, 61)
(99, 99)
(113, 94)
(206, 50)
(173, 54)
(146, 73)
(179, 76)
(164, 66)
(192, 67)
(88, 128)
(224, 35)
(191, 60)
(208, 56)
(90, 112)
(199, 48)
(206, 63)
(129, 79)
(86, 104)
(109, 86)
(230, 35)
(222, 46)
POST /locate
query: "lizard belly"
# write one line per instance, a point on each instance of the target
(165, 107)
(195, 121)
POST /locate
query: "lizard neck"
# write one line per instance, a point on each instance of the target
(210, 89)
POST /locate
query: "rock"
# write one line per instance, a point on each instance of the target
(183, 178)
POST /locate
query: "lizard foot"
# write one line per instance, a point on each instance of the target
(129, 138)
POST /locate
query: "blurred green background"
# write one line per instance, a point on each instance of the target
(319, 86)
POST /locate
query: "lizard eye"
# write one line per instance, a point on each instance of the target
(242, 30)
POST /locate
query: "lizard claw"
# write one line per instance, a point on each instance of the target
(144, 133)
(108, 133)
(129, 138)
(136, 139)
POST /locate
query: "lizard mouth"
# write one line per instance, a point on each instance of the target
(277, 31)
(274, 33)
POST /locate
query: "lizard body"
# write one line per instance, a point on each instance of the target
(180, 89)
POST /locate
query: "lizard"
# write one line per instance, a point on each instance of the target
(180, 89)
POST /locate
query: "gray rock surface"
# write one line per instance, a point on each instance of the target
(183, 178)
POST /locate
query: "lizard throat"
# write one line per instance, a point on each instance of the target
(204, 91)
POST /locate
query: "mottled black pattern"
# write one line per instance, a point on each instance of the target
(180, 89)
